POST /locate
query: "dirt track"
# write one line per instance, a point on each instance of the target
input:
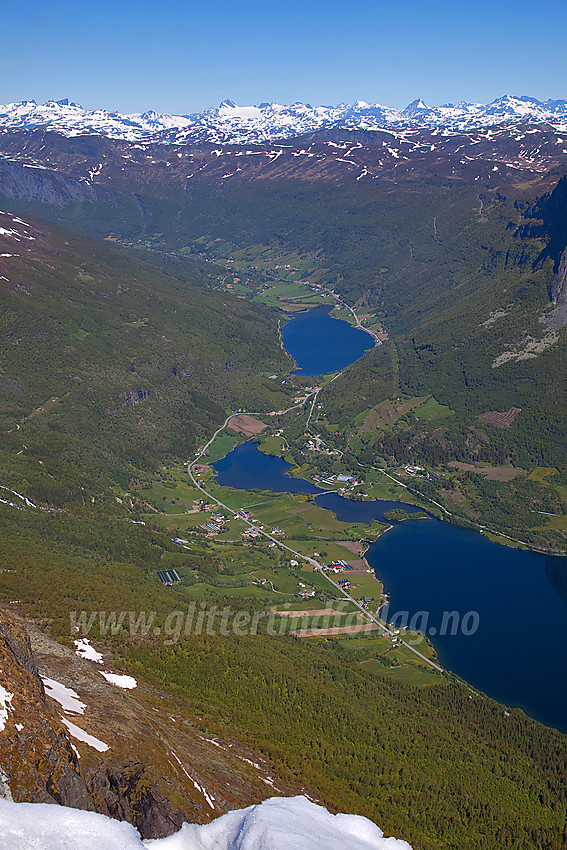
(338, 630)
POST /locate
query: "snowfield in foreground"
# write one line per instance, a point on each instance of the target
(280, 823)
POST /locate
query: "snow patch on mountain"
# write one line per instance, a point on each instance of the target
(67, 698)
(84, 649)
(85, 737)
(280, 823)
(5, 706)
(126, 682)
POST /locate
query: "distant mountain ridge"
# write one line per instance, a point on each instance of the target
(232, 124)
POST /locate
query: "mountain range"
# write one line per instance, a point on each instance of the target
(232, 124)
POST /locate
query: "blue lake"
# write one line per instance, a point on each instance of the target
(247, 468)
(511, 605)
(516, 599)
(320, 343)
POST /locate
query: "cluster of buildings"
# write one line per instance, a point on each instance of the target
(216, 523)
(252, 533)
(317, 444)
(413, 469)
(300, 399)
(306, 592)
(337, 567)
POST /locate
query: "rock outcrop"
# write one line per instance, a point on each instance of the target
(558, 289)
(38, 762)
(181, 776)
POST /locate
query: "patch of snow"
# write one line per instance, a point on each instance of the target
(126, 682)
(24, 826)
(83, 736)
(5, 706)
(19, 726)
(85, 650)
(66, 697)
(253, 764)
(292, 823)
(196, 785)
(279, 823)
(215, 743)
(24, 499)
(6, 501)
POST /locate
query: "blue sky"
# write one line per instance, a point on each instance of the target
(182, 57)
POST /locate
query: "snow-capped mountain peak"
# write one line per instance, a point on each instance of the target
(415, 106)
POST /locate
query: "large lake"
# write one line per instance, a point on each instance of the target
(511, 605)
(518, 600)
(320, 343)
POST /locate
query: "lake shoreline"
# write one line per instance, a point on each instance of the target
(445, 567)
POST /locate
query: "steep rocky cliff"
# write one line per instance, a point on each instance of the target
(134, 755)
(558, 290)
(35, 753)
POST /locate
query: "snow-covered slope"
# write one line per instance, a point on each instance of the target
(232, 124)
(281, 823)
(71, 119)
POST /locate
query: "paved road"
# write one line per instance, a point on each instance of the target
(358, 323)
(316, 395)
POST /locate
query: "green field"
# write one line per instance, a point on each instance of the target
(273, 446)
(223, 444)
(432, 410)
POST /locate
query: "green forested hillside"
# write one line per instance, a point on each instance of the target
(440, 765)
(458, 274)
(108, 363)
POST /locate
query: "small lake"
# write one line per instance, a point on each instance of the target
(320, 343)
(511, 605)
